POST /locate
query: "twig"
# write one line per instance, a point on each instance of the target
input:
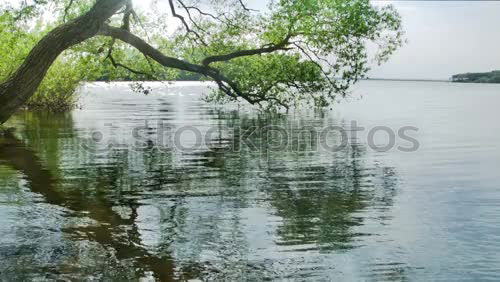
(183, 20)
(66, 10)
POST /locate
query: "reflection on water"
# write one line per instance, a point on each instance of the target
(222, 211)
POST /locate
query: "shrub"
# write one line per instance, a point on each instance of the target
(57, 93)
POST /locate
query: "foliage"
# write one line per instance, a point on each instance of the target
(57, 93)
(14, 45)
(327, 50)
(294, 52)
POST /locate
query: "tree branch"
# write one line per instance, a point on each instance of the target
(129, 11)
(150, 51)
(66, 10)
(226, 85)
(202, 13)
(117, 65)
(183, 20)
(245, 7)
(189, 16)
(221, 58)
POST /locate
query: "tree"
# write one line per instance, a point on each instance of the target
(294, 52)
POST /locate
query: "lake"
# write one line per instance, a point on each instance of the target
(399, 181)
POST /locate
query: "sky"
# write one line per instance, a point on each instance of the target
(444, 38)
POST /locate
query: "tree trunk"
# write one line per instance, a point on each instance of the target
(24, 82)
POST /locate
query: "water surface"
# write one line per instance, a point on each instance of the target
(110, 192)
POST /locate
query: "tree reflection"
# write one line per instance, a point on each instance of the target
(319, 194)
(90, 199)
(179, 215)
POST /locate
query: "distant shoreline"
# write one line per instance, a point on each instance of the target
(408, 79)
(427, 80)
(365, 79)
(477, 77)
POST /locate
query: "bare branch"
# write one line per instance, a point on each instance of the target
(245, 7)
(202, 12)
(183, 20)
(189, 16)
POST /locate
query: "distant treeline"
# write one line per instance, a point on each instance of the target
(486, 77)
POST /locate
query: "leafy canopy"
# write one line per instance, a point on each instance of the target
(292, 52)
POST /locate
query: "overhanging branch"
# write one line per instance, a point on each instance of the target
(243, 53)
(226, 85)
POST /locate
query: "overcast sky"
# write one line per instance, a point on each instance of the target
(444, 38)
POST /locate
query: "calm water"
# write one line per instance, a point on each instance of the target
(114, 192)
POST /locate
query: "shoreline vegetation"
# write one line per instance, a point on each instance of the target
(484, 77)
